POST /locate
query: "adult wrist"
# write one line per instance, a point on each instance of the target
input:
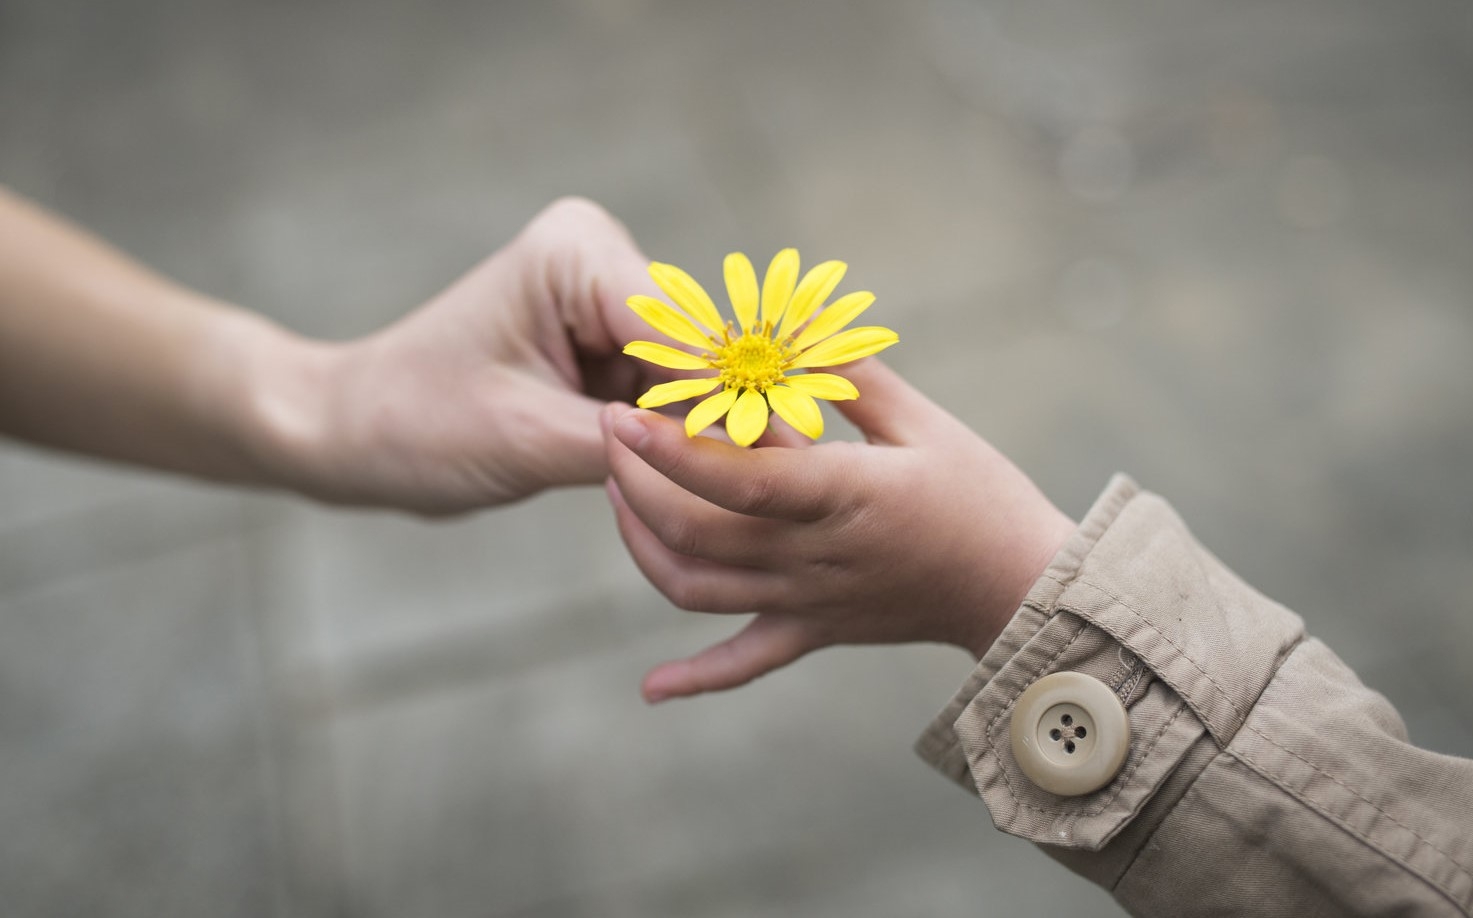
(269, 388)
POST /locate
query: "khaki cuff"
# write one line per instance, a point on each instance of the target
(1133, 601)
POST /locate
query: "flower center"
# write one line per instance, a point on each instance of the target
(753, 361)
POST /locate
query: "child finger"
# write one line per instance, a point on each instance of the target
(780, 433)
(767, 643)
(777, 483)
(889, 410)
(690, 525)
(693, 584)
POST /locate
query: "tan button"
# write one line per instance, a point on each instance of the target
(1070, 734)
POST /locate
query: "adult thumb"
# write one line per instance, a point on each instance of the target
(559, 441)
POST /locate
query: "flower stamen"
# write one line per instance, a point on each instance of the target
(751, 362)
(765, 360)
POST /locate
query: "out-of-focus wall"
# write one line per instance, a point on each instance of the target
(1224, 247)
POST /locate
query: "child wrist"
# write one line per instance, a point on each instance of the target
(1033, 550)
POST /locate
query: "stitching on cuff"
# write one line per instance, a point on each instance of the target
(1243, 755)
(1227, 698)
(1127, 688)
(1123, 669)
(1121, 780)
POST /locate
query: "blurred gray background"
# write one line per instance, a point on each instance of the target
(1224, 247)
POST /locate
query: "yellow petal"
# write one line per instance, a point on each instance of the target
(815, 287)
(846, 346)
(777, 287)
(665, 320)
(741, 286)
(747, 418)
(824, 385)
(677, 391)
(706, 413)
(838, 314)
(687, 294)
(800, 411)
(666, 356)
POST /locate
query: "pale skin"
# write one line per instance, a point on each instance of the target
(492, 391)
(923, 533)
(486, 394)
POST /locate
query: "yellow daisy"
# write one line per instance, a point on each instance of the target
(782, 329)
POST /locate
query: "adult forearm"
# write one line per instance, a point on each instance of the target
(100, 355)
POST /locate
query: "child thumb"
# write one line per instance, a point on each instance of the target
(889, 410)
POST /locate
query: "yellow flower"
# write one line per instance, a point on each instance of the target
(779, 331)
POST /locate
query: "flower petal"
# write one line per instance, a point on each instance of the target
(846, 346)
(799, 410)
(741, 286)
(815, 287)
(747, 418)
(838, 314)
(677, 391)
(824, 386)
(666, 356)
(687, 294)
(665, 320)
(706, 413)
(777, 287)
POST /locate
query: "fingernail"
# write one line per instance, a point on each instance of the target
(651, 691)
(631, 430)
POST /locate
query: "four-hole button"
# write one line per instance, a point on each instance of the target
(1070, 734)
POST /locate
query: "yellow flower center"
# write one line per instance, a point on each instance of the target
(753, 361)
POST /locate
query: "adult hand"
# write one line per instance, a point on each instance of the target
(488, 393)
(924, 533)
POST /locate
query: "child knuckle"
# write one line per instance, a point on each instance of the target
(685, 594)
(759, 495)
(682, 536)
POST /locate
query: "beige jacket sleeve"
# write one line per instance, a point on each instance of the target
(1261, 777)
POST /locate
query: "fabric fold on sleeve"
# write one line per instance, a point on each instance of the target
(1111, 605)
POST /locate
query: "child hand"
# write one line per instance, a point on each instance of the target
(924, 533)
